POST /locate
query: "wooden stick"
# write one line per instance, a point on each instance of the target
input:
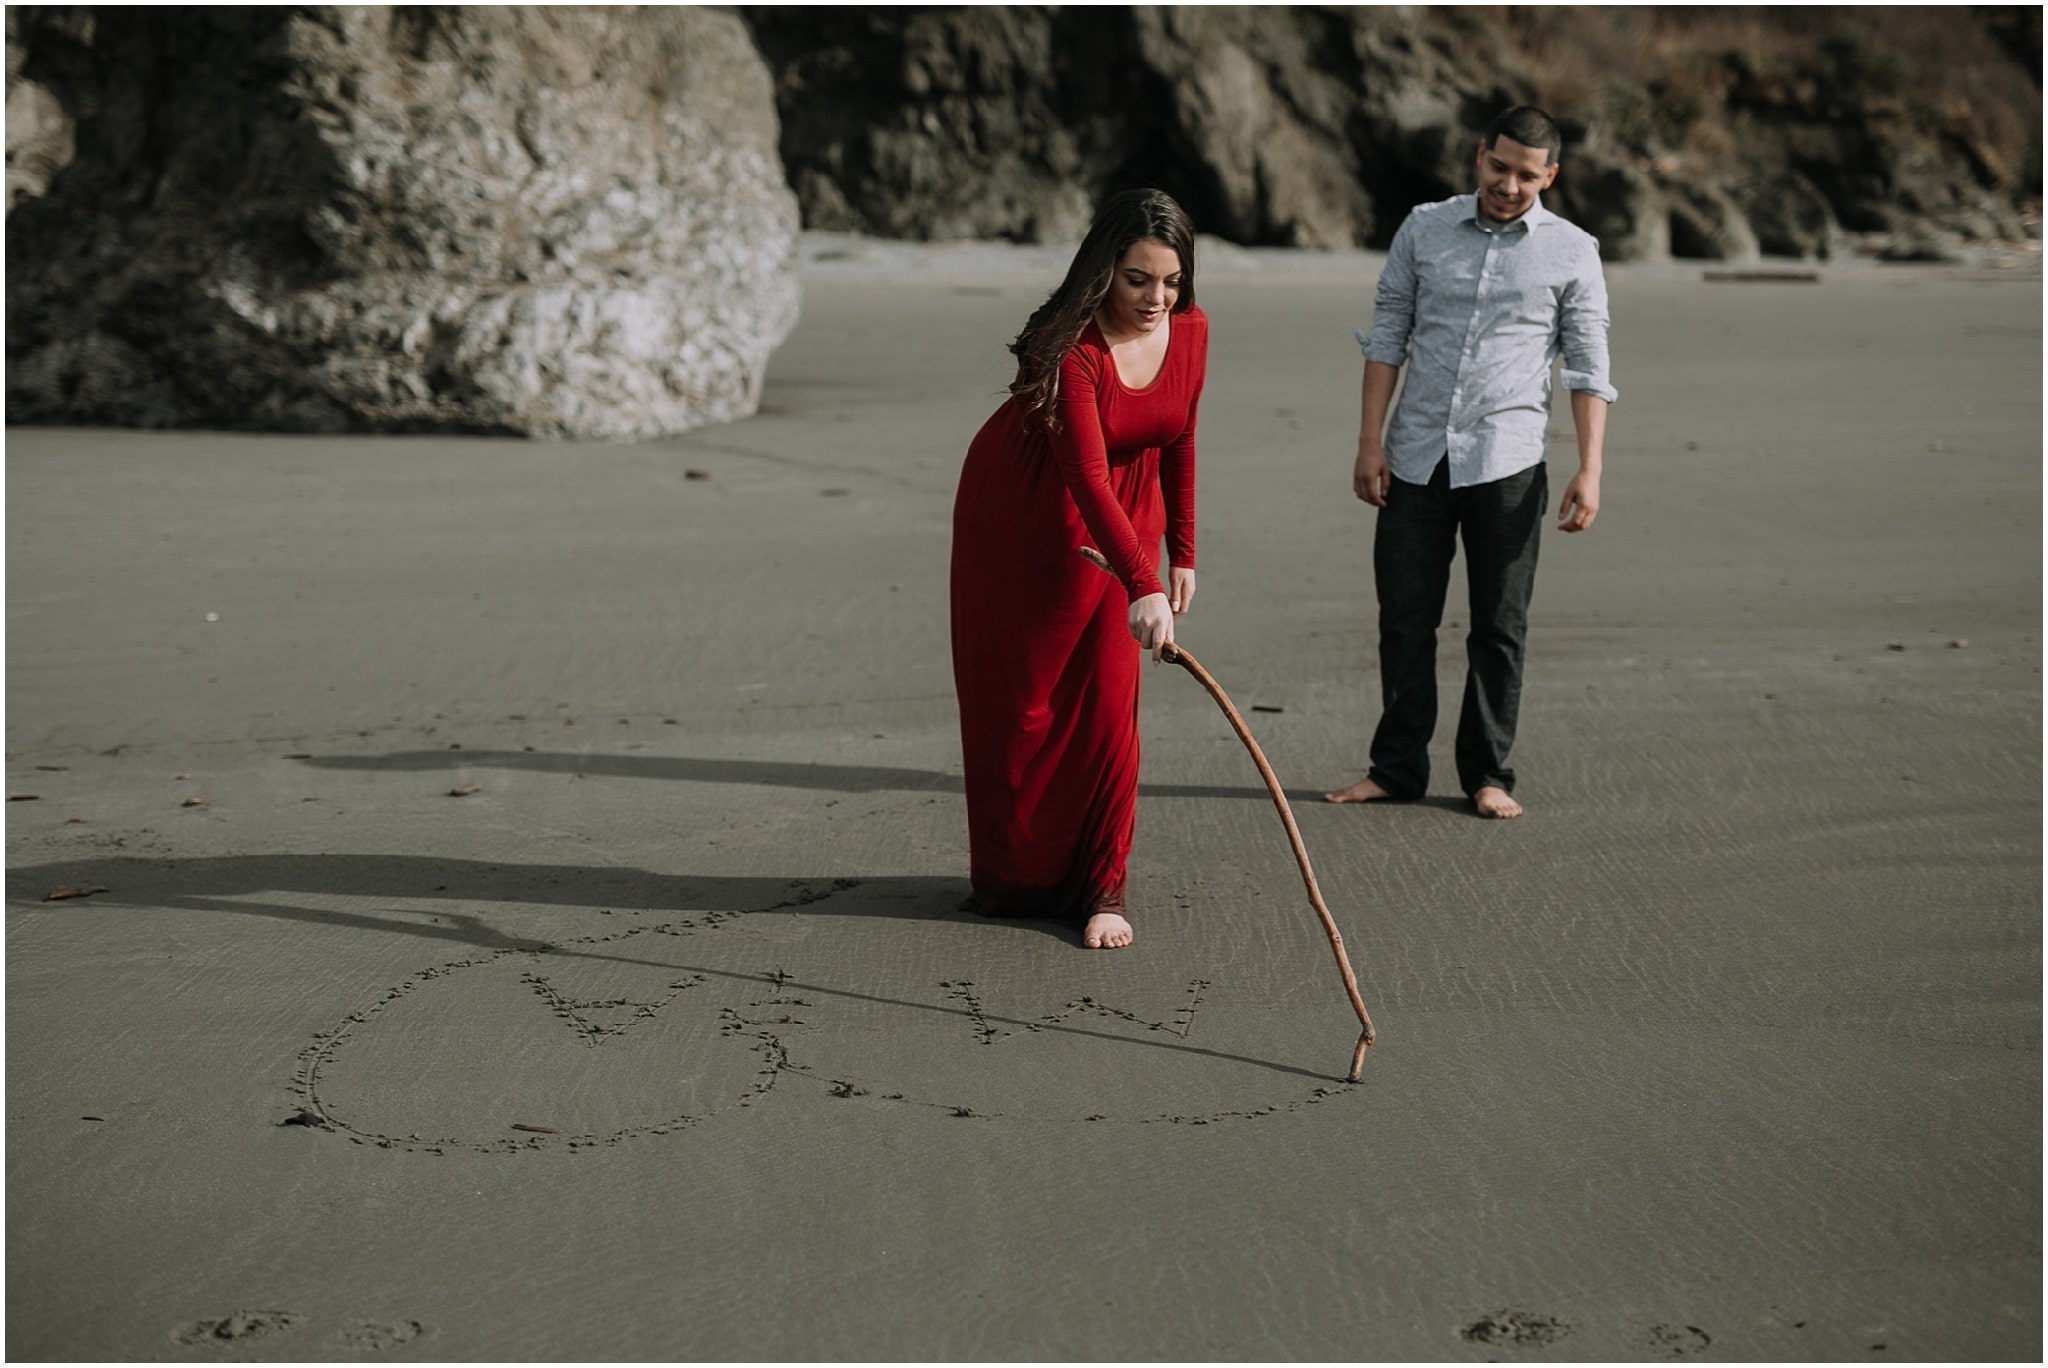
(1177, 655)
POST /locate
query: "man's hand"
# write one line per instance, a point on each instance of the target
(1582, 496)
(1370, 478)
(1152, 622)
(1370, 475)
(1581, 502)
(1180, 589)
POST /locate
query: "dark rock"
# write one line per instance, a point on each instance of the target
(1260, 129)
(1789, 216)
(944, 124)
(1322, 125)
(1279, 127)
(553, 222)
(1844, 121)
(1705, 221)
(1617, 202)
(2017, 30)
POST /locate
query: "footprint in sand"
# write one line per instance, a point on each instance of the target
(374, 1337)
(237, 1330)
(1678, 1340)
(1521, 1329)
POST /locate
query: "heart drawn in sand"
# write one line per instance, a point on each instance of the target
(659, 1027)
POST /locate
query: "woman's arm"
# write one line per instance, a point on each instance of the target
(1083, 459)
(1177, 487)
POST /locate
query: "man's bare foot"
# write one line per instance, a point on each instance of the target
(1364, 791)
(1106, 931)
(1494, 802)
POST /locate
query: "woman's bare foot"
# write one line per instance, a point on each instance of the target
(1106, 931)
(1364, 791)
(1494, 802)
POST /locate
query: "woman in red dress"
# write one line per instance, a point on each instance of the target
(1094, 447)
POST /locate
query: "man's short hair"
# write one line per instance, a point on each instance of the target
(1530, 127)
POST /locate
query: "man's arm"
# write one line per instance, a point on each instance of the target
(1582, 496)
(1369, 475)
(1393, 322)
(1584, 328)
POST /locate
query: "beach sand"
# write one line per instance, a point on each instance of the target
(1730, 1048)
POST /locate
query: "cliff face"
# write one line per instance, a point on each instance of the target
(1709, 133)
(552, 222)
(1288, 127)
(575, 222)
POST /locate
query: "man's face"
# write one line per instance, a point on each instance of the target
(1510, 178)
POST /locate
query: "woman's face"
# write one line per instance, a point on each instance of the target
(1144, 286)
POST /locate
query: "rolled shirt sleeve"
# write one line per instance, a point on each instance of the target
(1582, 328)
(1393, 307)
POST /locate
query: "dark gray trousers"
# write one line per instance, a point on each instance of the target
(1413, 542)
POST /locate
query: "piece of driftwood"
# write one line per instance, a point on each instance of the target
(1177, 655)
(1763, 277)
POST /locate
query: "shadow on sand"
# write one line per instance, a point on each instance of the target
(767, 773)
(233, 883)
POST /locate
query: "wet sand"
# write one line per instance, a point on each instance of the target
(1730, 1048)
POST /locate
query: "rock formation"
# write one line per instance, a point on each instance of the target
(574, 222)
(1719, 133)
(555, 222)
(1273, 126)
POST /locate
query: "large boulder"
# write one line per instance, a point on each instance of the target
(552, 222)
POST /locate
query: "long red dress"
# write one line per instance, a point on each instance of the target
(1043, 660)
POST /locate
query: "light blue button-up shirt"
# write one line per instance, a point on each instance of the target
(1478, 310)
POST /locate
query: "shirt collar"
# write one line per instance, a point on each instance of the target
(1536, 217)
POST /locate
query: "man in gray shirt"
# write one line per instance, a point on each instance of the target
(1479, 295)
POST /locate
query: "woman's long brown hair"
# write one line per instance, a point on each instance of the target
(1126, 217)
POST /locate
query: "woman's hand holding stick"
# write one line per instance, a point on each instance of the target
(1151, 623)
(1173, 653)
